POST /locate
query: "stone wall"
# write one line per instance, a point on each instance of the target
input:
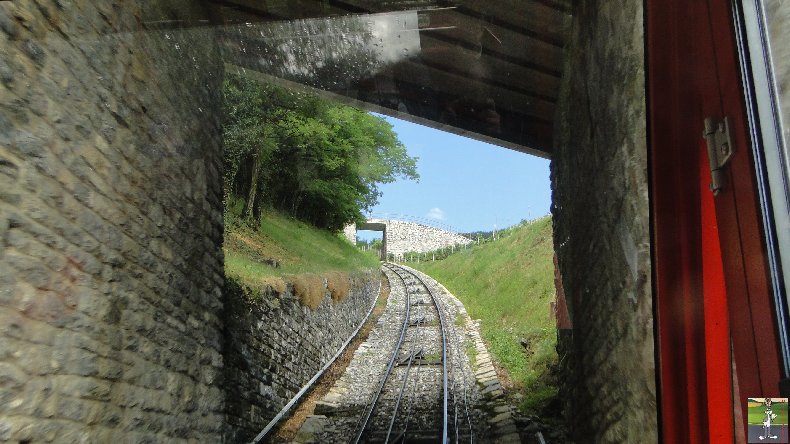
(111, 267)
(275, 345)
(110, 223)
(601, 227)
(402, 236)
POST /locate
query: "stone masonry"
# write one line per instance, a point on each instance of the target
(402, 237)
(601, 231)
(110, 223)
(111, 266)
(275, 345)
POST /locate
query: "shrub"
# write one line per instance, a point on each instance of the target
(339, 285)
(309, 288)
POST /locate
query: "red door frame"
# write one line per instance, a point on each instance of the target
(705, 300)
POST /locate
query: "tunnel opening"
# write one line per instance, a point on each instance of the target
(370, 238)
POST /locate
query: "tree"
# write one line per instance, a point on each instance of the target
(317, 160)
(250, 110)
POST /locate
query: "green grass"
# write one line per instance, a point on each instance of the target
(296, 247)
(471, 352)
(508, 284)
(757, 413)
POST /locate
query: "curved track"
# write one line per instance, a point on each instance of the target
(411, 402)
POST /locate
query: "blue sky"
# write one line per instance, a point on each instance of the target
(465, 184)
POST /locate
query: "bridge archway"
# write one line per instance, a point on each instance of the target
(405, 236)
(376, 226)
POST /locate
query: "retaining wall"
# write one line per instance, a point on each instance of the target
(403, 237)
(110, 223)
(275, 345)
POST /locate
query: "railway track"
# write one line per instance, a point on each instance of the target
(414, 401)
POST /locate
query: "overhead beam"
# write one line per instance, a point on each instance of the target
(494, 71)
(538, 146)
(535, 19)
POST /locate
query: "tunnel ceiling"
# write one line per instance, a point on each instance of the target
(483, 69)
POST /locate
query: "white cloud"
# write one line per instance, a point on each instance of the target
(435, 213)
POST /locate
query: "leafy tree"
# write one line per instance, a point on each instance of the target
(250, 142)
(317, 160)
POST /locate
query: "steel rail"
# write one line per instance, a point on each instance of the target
(405, 380)
(315, 377)
(411, 399)
(369, 411)
(456, 359)
(455, 393)
(440, 312)
(458, 363)
(466, 401)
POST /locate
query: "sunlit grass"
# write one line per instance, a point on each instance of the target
(282, 246)
(508, 284)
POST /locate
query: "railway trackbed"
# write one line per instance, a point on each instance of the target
(411, 402)
(412, 379)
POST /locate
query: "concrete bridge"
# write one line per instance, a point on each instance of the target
(401, 236)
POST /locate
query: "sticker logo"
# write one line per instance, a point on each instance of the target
(768, 420)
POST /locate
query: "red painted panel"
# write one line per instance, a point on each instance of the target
(754, 337)
(717, 326)
(711, 274)
(674, 140)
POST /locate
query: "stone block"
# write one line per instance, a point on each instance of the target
(36, 360)
(501, 417)
(5, 430)
(11, 376)
(33, 271)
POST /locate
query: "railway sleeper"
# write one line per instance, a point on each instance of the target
(412, 436)
(420, 358)
(417, 322)
(329, 408)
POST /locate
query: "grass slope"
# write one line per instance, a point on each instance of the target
(295, 247)
(508, 284)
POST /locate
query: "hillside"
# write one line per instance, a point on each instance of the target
(508, 284)
(281, 249)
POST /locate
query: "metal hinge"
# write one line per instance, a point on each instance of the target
(720, 149)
